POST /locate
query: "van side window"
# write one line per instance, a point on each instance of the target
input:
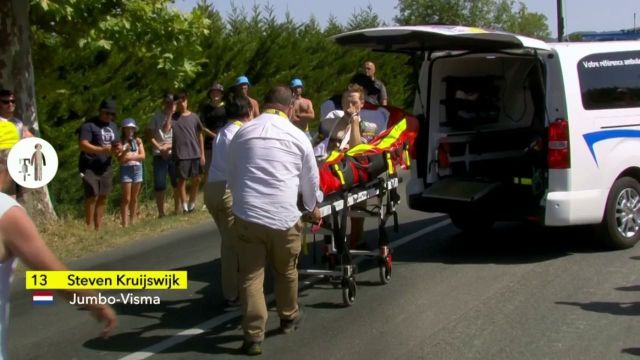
(610, 80)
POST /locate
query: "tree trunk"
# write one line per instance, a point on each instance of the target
(16, 73)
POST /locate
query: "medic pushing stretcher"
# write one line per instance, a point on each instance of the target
(352, 176)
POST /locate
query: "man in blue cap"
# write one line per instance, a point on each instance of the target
(242, 84)
(303, 112)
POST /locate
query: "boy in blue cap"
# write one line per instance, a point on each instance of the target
(303, 112)
(242, 85)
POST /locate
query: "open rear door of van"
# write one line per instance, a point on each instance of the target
(409, 39)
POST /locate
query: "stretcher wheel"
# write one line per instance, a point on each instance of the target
(384, 268)
(349, 291)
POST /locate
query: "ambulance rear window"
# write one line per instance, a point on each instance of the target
(610, 80)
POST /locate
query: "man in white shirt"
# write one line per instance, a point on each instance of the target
(217, 195)
(270, 160)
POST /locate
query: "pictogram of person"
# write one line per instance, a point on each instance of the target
(38, 161)
(25, 169)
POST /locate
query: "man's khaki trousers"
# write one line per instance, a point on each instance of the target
(219, 201)
(257, 244)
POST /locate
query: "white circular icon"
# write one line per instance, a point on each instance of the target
(32, 163)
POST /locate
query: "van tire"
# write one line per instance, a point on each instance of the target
(471, 221)
(623, 190)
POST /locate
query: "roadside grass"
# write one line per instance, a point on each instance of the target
(69, 238)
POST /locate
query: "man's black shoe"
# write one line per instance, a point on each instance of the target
(289, 326)
(251, 348)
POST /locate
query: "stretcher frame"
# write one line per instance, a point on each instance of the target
(338, 257)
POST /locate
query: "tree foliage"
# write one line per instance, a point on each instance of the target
(507, 15)
(134, 50)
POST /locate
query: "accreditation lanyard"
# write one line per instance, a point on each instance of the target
(237, 123)
(277, 112)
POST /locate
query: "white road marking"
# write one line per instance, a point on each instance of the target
(221, 319)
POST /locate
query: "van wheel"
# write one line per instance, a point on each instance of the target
(621, 223)
(471, 221)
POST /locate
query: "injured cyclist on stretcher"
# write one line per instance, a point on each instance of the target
(355, 124)
(359, 144)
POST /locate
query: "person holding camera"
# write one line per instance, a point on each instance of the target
(160, 135)
(99, 139)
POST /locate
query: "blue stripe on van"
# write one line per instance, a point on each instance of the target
(594, 137)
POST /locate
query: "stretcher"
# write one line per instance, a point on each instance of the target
(337, 257)
(350, 179)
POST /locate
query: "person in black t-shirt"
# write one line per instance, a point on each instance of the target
(214, 117)
(98, 138)
(377, 92)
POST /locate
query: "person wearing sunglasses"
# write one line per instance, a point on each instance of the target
(7, 109)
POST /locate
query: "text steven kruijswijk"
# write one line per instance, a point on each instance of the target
(107, 280)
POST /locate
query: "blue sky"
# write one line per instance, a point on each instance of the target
(580, 14)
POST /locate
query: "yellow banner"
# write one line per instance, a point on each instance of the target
(106, 280)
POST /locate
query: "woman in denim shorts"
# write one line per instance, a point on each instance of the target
(131, 157)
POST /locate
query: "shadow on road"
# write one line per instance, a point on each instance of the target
(612, 308)
(629, 288)
(176, 315)
(631, 351)
(505, 244)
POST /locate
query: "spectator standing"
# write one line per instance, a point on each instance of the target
(131, 158)
(218, 199)
(160, 135)
(214, 117)
(98, 138)
(7, 109)
(269, 162)
(242, 84)
(188, 151)
(303, 112)
(376, 95)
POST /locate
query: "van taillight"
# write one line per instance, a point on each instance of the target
(558, 155)
(443, 156)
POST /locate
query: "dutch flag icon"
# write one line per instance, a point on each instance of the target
(43, 297)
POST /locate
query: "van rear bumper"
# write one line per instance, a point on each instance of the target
(563, 208)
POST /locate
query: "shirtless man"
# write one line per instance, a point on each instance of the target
(242, 83)
(303, 112)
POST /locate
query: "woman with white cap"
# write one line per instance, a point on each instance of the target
(131, 156)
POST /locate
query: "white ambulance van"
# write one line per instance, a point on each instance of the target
(513, 128)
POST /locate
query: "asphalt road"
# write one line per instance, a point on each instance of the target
(523, 292)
